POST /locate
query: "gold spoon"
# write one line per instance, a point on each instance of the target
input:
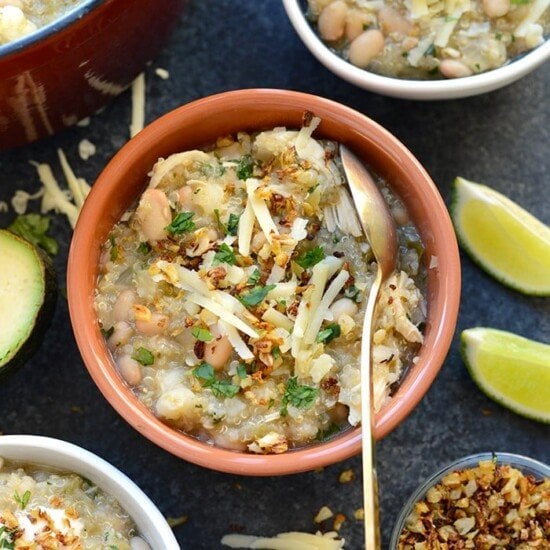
(380, 231)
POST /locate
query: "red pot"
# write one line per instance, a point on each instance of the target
(70, 68)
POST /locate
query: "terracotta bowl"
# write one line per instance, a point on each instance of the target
(70, 68)
(198, 124)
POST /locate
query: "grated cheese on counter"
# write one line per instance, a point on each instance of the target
(286, 541)
(138, 105)
(86, 149)
(162, 73)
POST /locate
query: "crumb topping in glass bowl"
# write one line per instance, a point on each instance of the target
(231, 295)
(430, 39)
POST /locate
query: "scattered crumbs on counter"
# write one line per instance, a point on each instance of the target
(176, 522)
(359, 514)
(86, 149)
(338, 521)
(162, 73)
(76, 409)
(323, 514)
(347, 476)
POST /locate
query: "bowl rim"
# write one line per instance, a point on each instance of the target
(521, 462)
(44, 32)
(84, 320)
(414, 89)
(63, 456)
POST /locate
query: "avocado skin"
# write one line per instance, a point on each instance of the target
(43, 318)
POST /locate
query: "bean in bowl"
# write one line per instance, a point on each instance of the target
(231, 295)
(430, 39)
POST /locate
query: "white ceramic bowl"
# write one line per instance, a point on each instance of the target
(413, 89)
(70, 458)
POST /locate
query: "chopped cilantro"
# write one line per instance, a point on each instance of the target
(255, 277)
(33, 228)
(224, 254)
(298, 395)
(241, 371)
(202, 334)
(182, 223)
(107, 333)
(520, 1)
(312, 188)
(144, 356)
(311, 257)
(7, 538)
(220, 388)
(430, 50)
(205, 371)
(233, 224)
(22, 500)
(245, 167)
(326, 433)
(276, 352)
(256, 295)
(353, 293)
(113, 252)
(330, 333)
(144, 248)
(221, 226)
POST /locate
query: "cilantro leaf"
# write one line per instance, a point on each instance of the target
(202, 334)
(233, 224)
(205, 371)
(221, 226)
(144, 248)
(298, 395)
(224, 254)
(107, 333)
(22, 500)
(241, 371)
(256, 295)
(326, 433)
(311, 257)
(223, 388)
(245, 167)
(113, 252)
(182, 223)
(353, 293)
(33, 228)
(331, 332)
(143, 356)
(254, 278)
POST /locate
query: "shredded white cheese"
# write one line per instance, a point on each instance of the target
(286, 541)
(86, 149)
(537, 8)
(245, 229)
(235, 340)
(20, 200)
(138, 105)
(78, 186)
(261, 211)
(162, 73)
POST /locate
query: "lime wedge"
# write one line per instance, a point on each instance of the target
(510, 369)
(501, 237)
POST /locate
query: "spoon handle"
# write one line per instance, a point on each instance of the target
(370, 480)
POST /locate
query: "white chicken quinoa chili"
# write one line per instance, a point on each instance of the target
(18, 18)
(430, 39)
(43, 508)
(232, 295)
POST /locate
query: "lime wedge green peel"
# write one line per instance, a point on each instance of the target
(502, 238)
(512, 370)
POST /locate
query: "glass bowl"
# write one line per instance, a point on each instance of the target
(525, 464)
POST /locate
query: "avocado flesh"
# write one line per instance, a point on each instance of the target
(27, 297)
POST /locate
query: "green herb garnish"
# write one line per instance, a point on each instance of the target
(22, 500)
(202, 334)
(331, 332)
(113, 252)
(143, 356)
(6, 538)
(144, 248)
(182, 223)
(311, 257)
(254, 278)
(298, 395)
(241, 371)
(325, 433)
(256, 295)
(224, 254)
(220, 388)
(33, 228)
(233, 224)
(276, 352)
(245, 167)
(107, 333)
(520, 1)
(221, 225)
(353, 293)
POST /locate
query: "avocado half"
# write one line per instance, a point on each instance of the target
(28, 294)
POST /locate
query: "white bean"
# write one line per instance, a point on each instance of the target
(344, 306)
(496, 8)
(217, 352)
(366, 47)
(153, 214)
(129, 370)
(332, 21)
(451, 68)
(121, 334)
(126, 299)
(137, 543)
(155, 325)
(390, 21)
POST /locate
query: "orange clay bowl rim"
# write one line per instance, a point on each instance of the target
(195, 125)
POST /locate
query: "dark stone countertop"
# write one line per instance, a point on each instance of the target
(501, 139)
